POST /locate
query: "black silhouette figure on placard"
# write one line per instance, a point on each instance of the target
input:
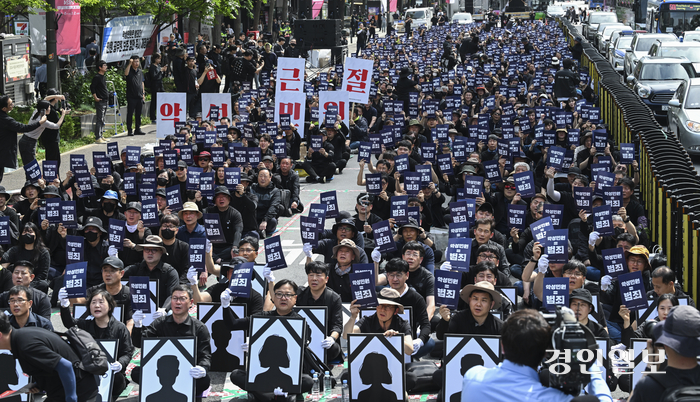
(375, 372)
(8, 375)
(168, 370)
(273, 355)
(221, 359)
(468, 361)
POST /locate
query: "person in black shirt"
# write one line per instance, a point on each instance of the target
(679, 336)
(581, 302)
(103, 325)
(22, 275)
(154, 267)
(254, 303)
(482, 297)
(135, 94)
(231, 223)
(50, 361)
(318, 294)
(134, 234)
(178, 324)
(155, 79)
(250, 67)
(287, 178)
(109, 208)
(177, 251)
(112, 273)
(191, 87)
(98, 88)
(285, 297)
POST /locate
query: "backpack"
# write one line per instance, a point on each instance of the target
(92, 358)
(675, 392)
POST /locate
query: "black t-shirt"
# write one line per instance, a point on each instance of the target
(422, 281)
(650, 389)
(39, 351)
(370, 325)
(123, 298)
(134, 84)
(98, 86)
(179, 257)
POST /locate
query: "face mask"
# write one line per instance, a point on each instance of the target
(27, 238)
(162, 181)
(109, 207)
(167, 233)
(105, 186)
(91, 236)
(619, 231)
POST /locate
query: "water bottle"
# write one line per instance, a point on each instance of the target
(345, 392)
(314, 391)
(327, 384)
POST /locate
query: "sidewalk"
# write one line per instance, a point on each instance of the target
(14, 181)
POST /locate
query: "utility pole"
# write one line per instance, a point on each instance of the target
(51, 56)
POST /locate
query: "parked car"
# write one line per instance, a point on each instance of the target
(690, 50)
(555, 11)
(655, 80)
(691, 36)
(684, 115)
(462, 18)
(595, 18)
(616, 34)
(616, 55)
(641, 43)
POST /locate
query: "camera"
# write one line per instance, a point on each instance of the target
(569, 335)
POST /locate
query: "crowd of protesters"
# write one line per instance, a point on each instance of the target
(497, 98)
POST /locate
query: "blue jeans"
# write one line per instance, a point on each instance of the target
(592, 274)
(517, 271)
(355, 145)
(615, 331)
(519, 286)
(427, 348)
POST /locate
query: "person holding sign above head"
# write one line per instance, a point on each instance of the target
(109, 208)
(665, 304)
(154, 267)
(318, 294)
(177, 325)
(517, 378)
(284, 299)
(571, 210)
(20, 301)
(637, 261)
(254, 303)
(500, 200)
(396, 274)
(102, 324)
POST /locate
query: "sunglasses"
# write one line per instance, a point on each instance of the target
(509, 187)
(204, 159)
(181, 168)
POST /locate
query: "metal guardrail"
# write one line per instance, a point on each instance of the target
(669, 185)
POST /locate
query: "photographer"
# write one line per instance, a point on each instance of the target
(525, 338)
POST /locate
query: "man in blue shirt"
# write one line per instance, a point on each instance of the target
(40, 79)
(525, 338)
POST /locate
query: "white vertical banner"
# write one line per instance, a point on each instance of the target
(333, 98)
(290, 75)
(357, 79)
(223, 101)
(172, 107)
(293, 104)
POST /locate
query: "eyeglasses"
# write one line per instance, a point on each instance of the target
(283, 296)
(575, 274)
(344, 229)
(150, 250)
(414, 255)
(245, 250)
(204, 159)
(180, 299)
(17, 302)
(167, 227)
(488, 256)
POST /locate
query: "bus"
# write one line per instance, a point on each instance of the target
(673, 16)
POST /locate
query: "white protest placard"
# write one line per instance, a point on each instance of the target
(172, 107)
(223, 101)
(357, 79)
(122, 42)
(339, 99)
(293, 104)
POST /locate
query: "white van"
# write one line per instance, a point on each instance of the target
(420, 16)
